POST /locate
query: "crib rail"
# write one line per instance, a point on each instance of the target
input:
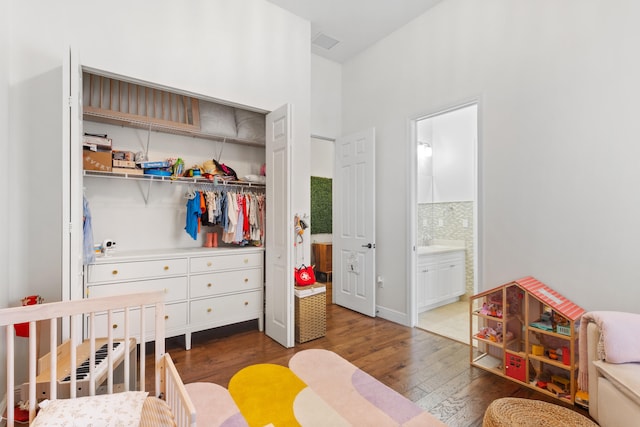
(52, 313)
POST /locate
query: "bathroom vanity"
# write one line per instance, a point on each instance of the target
(441, 275)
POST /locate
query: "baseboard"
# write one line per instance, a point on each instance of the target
(393, 315)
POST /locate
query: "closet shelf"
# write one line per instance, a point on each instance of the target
(95, 115)
(171, 180)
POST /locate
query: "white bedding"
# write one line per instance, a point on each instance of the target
(109, 410)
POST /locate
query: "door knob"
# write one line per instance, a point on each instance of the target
(369, 245)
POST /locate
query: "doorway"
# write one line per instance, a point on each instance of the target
(445, 232)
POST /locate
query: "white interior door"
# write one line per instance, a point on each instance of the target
(354, 223)
(279, 234)
(72, 218)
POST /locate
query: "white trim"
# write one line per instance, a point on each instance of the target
(393, 315)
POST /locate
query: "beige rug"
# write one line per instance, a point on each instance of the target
(319, 388)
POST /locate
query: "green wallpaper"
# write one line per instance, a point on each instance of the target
(321, 221)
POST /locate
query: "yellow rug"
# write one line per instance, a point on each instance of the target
(265, 394)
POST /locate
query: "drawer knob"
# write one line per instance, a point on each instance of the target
(114, 272)
(166, 268)
(166, 317)
(209, 285)
(246, 279)
(246, 303)
(246, 260)
(209, 310)
(166, 291)
(209, 264)
(115, 326)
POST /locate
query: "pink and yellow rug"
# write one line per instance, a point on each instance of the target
(319, 388)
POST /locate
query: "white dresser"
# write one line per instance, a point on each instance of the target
(204, 287)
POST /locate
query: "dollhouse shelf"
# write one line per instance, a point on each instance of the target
(525, 356)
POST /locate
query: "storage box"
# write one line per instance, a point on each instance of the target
(96, 160)
(124, 164)
(311, 315)
(124, 155)
(96, 142)
(128, 171)
(154, 165)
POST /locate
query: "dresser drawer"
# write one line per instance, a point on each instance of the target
(175, 288)
(175, 316)
(136, 270)
(225, 282)
(226, 262)
(226, 309)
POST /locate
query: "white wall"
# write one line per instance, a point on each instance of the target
(326, 122)
(558, 92)
(4, 145)
(451, 165)
(326, 97)
(248, 52)
(4, 151)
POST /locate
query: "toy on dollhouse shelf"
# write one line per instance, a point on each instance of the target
(491, 309)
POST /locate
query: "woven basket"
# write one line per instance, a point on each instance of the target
(512, 411)
(311, 317)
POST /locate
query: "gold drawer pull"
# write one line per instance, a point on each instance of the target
(246, 260)
(115, 326)
(246, 303)
(114, 272)
(209, 285)
(166, 291)
(166, 268)
(209, 264)
(166, 317)
(246, 279)
(209, 310)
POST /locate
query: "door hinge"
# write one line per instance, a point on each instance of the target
(70, 227)
(69, 101)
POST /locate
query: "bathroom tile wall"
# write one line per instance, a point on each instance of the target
(446, 221)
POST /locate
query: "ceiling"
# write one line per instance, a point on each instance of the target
(355, 24)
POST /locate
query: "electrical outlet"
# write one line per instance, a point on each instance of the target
(465, 223)
(440, 222)
(380, 281)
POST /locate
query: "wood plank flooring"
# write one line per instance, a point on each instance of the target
(431, 370)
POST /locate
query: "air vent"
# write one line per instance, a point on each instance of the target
(324, 41)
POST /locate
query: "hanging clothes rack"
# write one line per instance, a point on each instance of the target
(216, 184)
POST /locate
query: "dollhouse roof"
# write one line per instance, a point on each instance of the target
(550, 297)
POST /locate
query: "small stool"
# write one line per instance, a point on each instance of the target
(516, 412)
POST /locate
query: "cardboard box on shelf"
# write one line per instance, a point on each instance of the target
(128, 171)
(124, 155)
(96, 160)
(96, 142)
(124, 164)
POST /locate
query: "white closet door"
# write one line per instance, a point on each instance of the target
(279, 230)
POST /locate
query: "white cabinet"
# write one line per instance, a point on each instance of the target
(204, 288)
(441, 278)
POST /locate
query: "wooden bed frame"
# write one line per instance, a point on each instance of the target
(168, 385)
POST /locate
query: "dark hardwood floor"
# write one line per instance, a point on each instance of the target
(431, 370)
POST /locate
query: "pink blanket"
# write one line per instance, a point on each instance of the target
(619, 340)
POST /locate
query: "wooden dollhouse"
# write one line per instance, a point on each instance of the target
(528, 333)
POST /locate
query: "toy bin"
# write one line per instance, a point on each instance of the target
(310, 313)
